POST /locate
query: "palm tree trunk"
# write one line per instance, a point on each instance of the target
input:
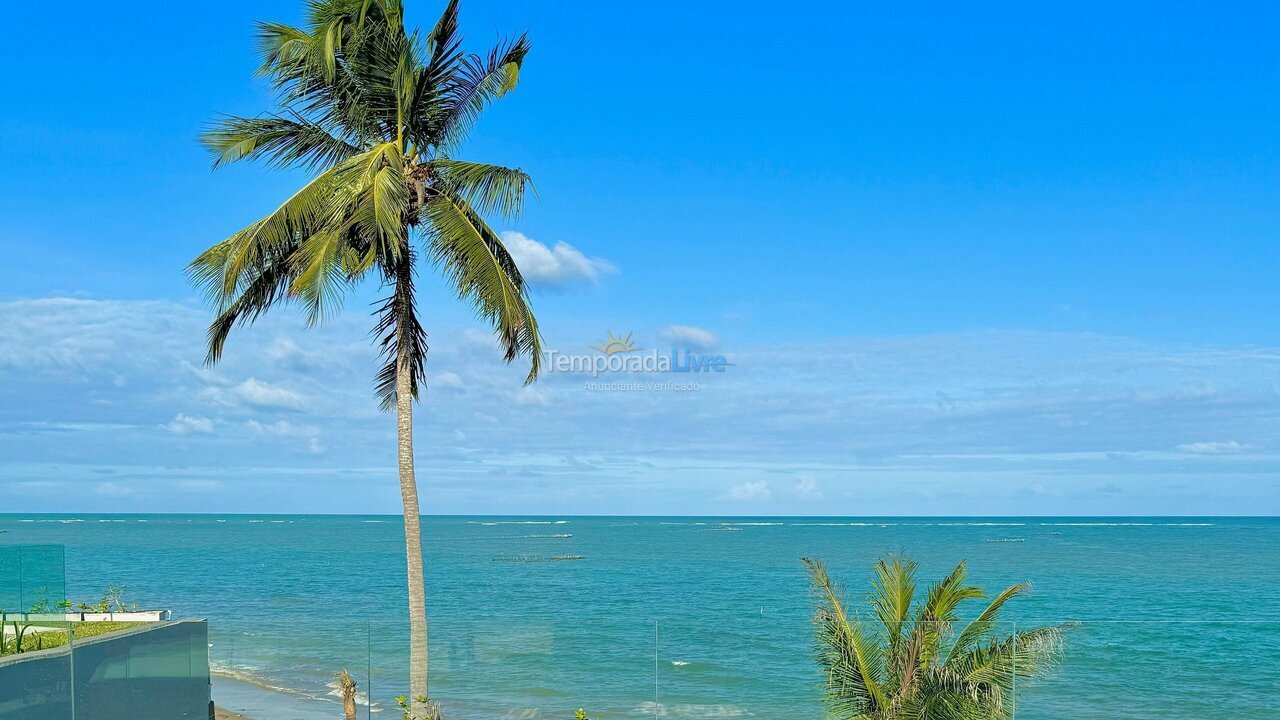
(412, 540)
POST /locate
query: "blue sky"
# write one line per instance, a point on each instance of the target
(1005, 259)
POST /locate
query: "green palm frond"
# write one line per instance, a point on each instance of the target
(268, 286)
(279, 141)
(480, 268)
(901, 671)
(934, 617)
(853, 664)
(281, 46)
(980, 626)
(892, 591)
(489, 189)
(476, 84)
(319, 207)
(1022, 654)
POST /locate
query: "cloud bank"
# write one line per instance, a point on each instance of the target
(105, 405)
(557, 266)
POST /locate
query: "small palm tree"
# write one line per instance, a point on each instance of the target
(347, 689)
(908, 664)
(376, 113)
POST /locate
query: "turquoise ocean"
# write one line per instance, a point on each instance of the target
(680, 617)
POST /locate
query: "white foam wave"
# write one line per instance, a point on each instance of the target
(518, 522)
(247, 674)
(845, 524)
(1098, 524)
(689, 710)
(335, 691)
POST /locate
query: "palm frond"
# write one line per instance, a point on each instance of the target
(268, 286)
(851, 660)
(936, 614)
(1023, 655)
(490, 189)
(402, 340)
(477, 262)
(903, 677)
(892, 590)
(476, 84)
(321, 280)
(443, 50)
(280, 46)
(279, 141)
(314, 209)
(980, 626)
(444, 41)
(337, 72)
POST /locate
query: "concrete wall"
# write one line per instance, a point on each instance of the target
(152, 672)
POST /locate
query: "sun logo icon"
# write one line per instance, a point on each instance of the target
(612, 345)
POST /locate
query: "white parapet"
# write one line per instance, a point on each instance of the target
(136, 616)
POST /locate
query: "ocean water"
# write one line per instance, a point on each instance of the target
(681, 617)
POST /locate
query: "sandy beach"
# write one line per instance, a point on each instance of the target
(237, 699)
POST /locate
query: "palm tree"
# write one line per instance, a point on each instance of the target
(907, 663)
(376, 114)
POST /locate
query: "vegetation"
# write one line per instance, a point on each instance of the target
(907, 663)
(420, 709)
(112, 600)
(376, 113)
(24, 638)
(347, 688)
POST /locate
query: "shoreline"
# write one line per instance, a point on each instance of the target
(238, 699)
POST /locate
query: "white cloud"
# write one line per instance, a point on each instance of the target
(533, 396)
(917, 424)
(183, 424)
(113, 489)
(310, 434)
(282, 349)
(807, 489)
(255, 393)
(282, 428)
(1229, 447)
(755, 490)
(688, 336)
(261, 394)
(556, 266)
(445, 380)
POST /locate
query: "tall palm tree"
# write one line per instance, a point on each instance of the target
(376, 113)
(907, 663)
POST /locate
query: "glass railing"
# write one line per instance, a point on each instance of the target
(749, 667)
(32, 578)
(52, 670)
(525, 667)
